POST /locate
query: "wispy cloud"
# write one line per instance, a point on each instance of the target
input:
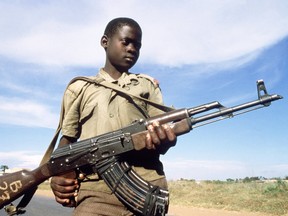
(53, 36)
(17, 111)
(28, 91)
(20, 159)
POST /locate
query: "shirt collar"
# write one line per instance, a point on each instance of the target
(124, 79)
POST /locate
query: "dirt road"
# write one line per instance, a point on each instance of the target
(191, 211)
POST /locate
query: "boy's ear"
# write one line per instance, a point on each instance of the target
(104, 41)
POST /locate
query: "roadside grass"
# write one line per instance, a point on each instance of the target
(44, 186)
(269, 198)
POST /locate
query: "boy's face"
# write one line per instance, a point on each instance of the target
(123, 48)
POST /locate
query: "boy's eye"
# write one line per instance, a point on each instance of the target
(136, 44)
(124, 42)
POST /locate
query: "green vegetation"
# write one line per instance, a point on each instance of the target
(44, 186)
(3, 168)
(269, 197)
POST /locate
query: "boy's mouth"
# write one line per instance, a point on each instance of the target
(130, 58)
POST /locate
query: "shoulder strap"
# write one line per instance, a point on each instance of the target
(117, 88)
(100, 81)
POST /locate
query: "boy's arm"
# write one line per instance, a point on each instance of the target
(65, 186)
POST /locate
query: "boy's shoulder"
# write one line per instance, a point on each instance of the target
(154, 81)
(78, 83)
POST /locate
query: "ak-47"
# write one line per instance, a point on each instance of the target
(102, 155)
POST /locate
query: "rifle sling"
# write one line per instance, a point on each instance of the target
(119, 89)
(100, 81)
(11, 209)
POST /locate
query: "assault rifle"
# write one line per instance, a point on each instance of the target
(102, 155)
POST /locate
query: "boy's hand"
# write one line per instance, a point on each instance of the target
(65, 189)
(160, 134)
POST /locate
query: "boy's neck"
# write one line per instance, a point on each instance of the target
(115, 74)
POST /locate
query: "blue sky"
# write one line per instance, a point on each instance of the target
(200, 51)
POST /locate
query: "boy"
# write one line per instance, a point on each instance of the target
(92, 109)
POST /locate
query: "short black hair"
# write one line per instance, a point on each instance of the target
(113, 26)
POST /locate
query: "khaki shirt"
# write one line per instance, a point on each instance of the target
(91, 110)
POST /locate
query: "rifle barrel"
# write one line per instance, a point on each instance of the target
(230, 111)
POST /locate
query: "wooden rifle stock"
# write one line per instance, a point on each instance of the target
(14, 185)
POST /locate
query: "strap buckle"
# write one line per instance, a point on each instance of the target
(13, 210)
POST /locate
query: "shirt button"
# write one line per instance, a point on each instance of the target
(111, 115)
(127, 88)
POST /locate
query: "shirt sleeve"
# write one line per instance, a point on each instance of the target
(71, 112)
